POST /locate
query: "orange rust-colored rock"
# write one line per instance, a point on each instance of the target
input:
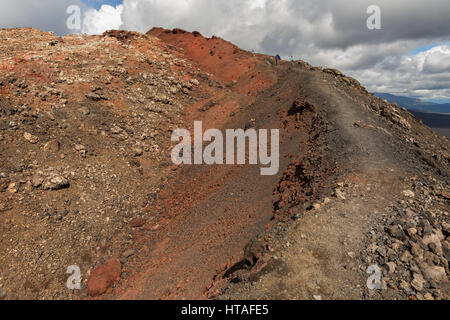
(104, 277)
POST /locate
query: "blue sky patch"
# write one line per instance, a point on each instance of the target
(98, 3)
(426, 48)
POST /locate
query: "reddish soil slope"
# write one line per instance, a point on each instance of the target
(86, 176)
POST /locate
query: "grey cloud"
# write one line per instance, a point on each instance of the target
(302, 28)
(331, 33)
(46, 15)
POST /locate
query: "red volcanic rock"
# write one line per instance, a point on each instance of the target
(137, 222)
(104, 277)
(228, 62)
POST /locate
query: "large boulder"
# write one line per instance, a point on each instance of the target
(104, 277)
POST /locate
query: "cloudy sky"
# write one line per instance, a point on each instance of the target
(409, 55)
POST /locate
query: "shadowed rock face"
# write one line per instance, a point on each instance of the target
(86, 174)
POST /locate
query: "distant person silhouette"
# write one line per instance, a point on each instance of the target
(277, 58)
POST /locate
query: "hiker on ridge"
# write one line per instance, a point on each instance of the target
(277, 58)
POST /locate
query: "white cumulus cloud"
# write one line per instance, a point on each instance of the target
(106, 18)
(424, 75)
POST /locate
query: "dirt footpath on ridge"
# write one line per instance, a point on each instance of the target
(212, 212)
(324, 252)
(348, 165)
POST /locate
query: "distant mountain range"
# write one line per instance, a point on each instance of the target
(415, 104)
